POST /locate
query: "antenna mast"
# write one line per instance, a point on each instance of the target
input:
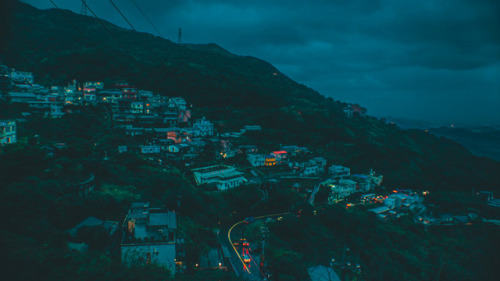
(83, 10)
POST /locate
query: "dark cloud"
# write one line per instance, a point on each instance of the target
(432, 60)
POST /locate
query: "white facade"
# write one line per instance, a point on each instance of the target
(137, 107)
(205, 127)
(8, 132)
(21, 76)
(224, 177)
(150, 149)
(337, 171)
(149, 236)
(256, 160)
(159, 253)
(310, 170)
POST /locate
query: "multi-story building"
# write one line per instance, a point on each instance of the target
(338, 172)
(21, 76)
(149, 236)
(339, 189)
(256, 160)
(8, 132)
(224, 177)
(205, 127)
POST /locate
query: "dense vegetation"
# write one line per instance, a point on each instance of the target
(399, 250)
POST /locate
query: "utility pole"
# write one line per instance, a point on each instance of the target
(180, 36)
(83, 10)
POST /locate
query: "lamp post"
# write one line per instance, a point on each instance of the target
(345, 266)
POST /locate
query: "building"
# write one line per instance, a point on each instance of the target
(269, 160)
(150, 149)
(8, 132)
(310, 169)
(281, 156)
(321, 161)
(149, 236)
(20, 97)
(292, 150)
(93, 85)
(248, 128)
(339, 189)
(224, 177)
(248, 148)
(338, 172)
(256, 160)
(205, 127)
(21, 77)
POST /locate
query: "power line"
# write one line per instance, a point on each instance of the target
(147, 18)
(123, 16)
(83, 9)
(54, 4)
(84, 2)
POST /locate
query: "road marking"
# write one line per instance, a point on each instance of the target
(234, 248)
(231, 241)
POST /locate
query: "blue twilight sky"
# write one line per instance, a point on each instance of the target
(433, 60)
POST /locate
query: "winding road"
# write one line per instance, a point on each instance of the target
(227, 236)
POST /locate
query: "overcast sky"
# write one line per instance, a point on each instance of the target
(432, 60)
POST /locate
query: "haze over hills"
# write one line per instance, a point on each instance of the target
(59, 45)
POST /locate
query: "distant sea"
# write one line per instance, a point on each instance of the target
(480, 140)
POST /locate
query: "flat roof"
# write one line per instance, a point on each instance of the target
(140, 205)
(379, 210)
(163, 219)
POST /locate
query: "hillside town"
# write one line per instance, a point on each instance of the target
(169, 135)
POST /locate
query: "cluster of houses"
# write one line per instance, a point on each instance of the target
(146, 235)
(342, 184)
(149, 236)
(399, 203)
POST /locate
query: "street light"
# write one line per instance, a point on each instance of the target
(345, 266)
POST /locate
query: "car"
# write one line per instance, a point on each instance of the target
(269, 220)
(246, 258)
(249, 219)
(280, 218)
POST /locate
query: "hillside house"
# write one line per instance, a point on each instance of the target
(338, 172)
(8, 132)
(256, 160)
(224, 177)
(280, 156)
(149, 236)
(205, 127)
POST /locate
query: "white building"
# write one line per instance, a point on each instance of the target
(340, 189)
(150, 149)
(321, 161)
(205, 127)
(8, 132)
(337, 171)
(149, 236)
(93, 85)
(21, 76)
(224, 177)
(137, 107)
(256, 160)
(178, 102)
(248, 128)
(310, 169)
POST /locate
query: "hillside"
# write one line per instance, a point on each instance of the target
(482, 141)
(58, 46)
